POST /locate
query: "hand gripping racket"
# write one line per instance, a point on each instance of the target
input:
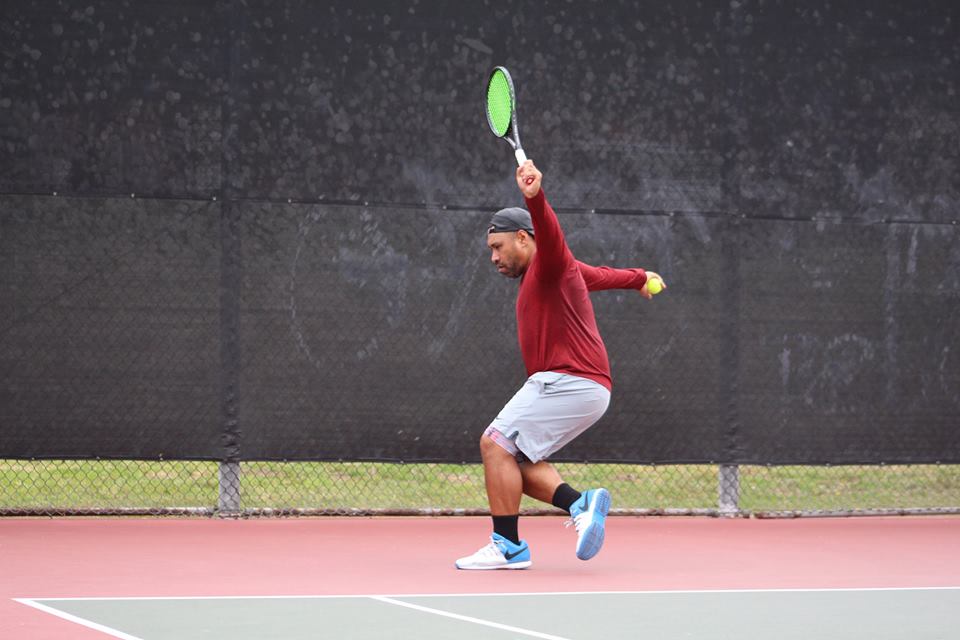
(502, 110)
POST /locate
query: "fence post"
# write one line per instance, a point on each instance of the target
(228, 494)
(729, 487)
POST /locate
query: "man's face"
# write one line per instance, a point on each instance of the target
(510, 252)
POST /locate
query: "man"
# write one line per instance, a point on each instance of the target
(569, 383)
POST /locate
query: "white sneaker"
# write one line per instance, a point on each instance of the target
(499, 554)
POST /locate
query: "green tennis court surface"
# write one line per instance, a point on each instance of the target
(918, 614)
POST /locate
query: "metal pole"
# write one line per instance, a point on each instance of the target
(228, 495)
(729, 486)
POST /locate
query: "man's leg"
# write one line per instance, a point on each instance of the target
(504, 491)
(503, 478)
(537, 422)
(568, 406)
(540, 480)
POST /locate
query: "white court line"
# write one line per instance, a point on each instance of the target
(31, 602)
(503, 593)
(78, 620)
(462, 618)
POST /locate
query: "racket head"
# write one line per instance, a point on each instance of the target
(501, 102)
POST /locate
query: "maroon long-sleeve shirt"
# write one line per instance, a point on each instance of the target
(555, 319)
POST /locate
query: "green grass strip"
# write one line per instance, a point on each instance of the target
(52, 486)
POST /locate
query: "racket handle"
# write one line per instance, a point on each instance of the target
(521, 156)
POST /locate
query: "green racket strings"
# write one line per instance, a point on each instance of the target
(499, 103)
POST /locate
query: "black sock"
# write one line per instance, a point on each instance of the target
(506, 526)
(564, 497)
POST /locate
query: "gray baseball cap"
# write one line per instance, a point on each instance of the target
(511, 219)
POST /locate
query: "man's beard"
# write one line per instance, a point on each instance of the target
(509, 271)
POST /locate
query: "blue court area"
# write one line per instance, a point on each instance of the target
(839, 614)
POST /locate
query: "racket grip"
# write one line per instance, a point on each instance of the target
(521, 156)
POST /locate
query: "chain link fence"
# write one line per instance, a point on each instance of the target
(177, 487)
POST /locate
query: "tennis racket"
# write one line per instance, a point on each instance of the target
(502, 110)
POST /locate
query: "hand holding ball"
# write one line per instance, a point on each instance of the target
(654, 286)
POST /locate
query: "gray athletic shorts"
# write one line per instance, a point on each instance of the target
(548, 411)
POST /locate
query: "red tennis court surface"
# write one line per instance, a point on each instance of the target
(73, 558)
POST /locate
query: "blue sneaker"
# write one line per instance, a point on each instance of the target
(499, 554)
(589, 514)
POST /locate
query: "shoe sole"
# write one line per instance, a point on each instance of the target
(513, 565)
(593, 537)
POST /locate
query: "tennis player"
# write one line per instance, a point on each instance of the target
(568, 388)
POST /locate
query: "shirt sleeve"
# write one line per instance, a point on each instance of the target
(553, 255)
(600, 278)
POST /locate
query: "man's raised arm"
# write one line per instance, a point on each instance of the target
(553, 255)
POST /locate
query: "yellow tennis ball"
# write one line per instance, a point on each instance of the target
(654, 286)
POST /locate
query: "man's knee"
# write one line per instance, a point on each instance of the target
(494, 446)
(489, 448)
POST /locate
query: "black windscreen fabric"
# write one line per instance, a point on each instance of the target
(301, 271)
(113, 97)
(751, 107)
(384, 102)
(842, 112)
(109, 336)
(848, 343)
